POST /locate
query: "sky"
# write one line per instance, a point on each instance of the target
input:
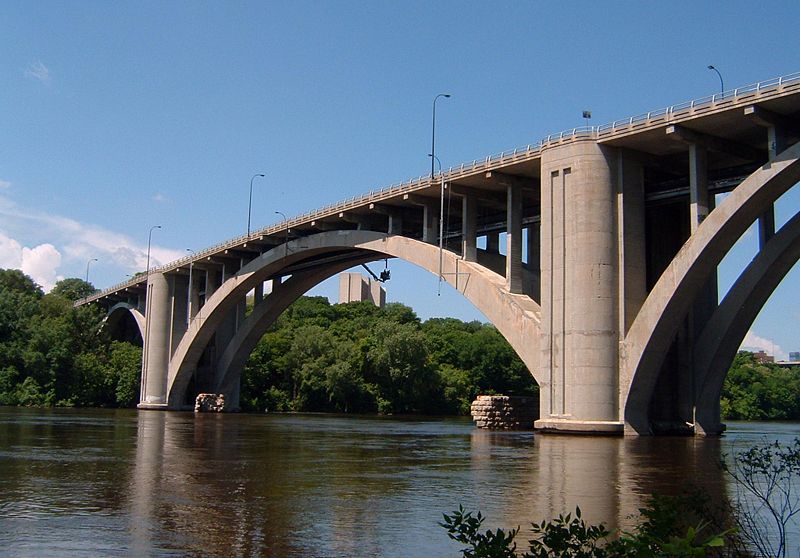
(118, 116)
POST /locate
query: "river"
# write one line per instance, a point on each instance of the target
(127, 483)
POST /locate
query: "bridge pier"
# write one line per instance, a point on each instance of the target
(156, 351)
(580, 337)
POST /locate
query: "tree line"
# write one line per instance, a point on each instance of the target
(760, 391)
(357, 358)
(317, 356)
(52, 353)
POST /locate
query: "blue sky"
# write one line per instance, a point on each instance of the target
(119, 116)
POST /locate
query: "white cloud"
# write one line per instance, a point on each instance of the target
(4, 185)
(39, 72)
(72, 241)
(160, 198)
(10, 253)
(753, 342)
(39, 263)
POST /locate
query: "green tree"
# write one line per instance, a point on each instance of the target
(125, 362)
(760, 391)
(73, 289)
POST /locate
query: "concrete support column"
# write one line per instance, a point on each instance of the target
(514, 239)
(705, 304)
(178, 292)
(776, 141)
(493, 242)
(155, 358)
(395, 224)
(193, 296)
(430, 223)
(580, 337)
(632, 261)
(698, 185)
(212, 282)
(469, 224)
(258, 294)
(534, 247)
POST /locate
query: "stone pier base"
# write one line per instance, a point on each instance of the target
(505, 412)
(209, 403)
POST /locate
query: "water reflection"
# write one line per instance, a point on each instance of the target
(609, 478)
(163, 484)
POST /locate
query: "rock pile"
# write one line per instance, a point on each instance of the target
(209, 403)
(505, 412)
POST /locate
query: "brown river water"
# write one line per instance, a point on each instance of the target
(126, 483)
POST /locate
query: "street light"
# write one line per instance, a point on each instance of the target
(250, 203)
(149, 238)
(286, 241)
(189, 289)
(721, 84)
(87, 268)
(434, 158)
(433, 129)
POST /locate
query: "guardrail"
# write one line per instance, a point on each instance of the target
(655, 117)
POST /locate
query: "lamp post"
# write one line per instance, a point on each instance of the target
(250, 203)
(433, 129)
(286, 237)
(87, 268)
(149, 239)
(189, 289)
(721, 83)
(434, 158)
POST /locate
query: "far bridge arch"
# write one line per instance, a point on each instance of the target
(725, 331)
(516, 316)
(124, 322)
(657, 323)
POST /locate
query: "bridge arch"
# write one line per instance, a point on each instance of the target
(725, 331)
(118, 322)
(516, 316)
(665, 308)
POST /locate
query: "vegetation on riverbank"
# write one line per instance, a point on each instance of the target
(54, 354)
(760, 521)
(760, 391)
(351, 358)
(357, 358)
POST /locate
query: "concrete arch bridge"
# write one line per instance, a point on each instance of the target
(605, 283)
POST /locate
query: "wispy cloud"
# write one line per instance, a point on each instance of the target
(4, 185)
(73, 241)
(753, 342)
(160, 198)
(39, 72)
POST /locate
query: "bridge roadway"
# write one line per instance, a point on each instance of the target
(613, 305)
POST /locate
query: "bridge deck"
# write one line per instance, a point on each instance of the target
(643, 133)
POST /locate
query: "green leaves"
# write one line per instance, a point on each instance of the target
(756, 391)
(52, 353)
(358, 358)
(661, 532)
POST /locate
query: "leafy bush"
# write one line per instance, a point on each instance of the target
(661, 532)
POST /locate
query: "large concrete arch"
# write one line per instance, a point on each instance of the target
(516, 316)
(118, 312)
(725, 331)
(652, 332)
